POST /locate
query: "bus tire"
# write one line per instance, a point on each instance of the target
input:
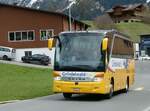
(67, 95)
(126, 89)
(5, 57)
(111, 92)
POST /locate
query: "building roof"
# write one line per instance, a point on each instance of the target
(132, 7)
(42, 11)
(124, 7)
(119, 6)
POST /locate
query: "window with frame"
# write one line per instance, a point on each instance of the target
(24, 35)
(123, 47)
(11, 36)
(21, 35)
(5, 49)
(46, 34)
(18, 36)
(30, 35)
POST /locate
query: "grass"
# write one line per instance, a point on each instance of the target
(91, 23)
(134, 29)
(18, 82)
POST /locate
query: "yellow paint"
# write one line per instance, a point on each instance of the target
(104, 44)
(84, 87)
(102, 87)
(50, 43)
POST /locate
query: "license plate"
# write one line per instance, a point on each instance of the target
(76, 89)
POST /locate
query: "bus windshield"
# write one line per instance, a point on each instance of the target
(79, 52)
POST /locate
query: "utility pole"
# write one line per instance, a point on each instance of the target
(70, 21)
(72, 2)
(70, 16)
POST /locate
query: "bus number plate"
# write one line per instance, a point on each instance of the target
(76, 89)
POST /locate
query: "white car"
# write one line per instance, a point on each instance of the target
(144, 58)
(7, 53)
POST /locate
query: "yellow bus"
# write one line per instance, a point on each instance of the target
(92, 62)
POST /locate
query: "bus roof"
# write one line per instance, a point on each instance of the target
(88, 31)
(105, 32)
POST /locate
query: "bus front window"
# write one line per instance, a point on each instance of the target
(79, 52)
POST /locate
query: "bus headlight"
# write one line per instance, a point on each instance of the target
(58, 78)
(97, 79)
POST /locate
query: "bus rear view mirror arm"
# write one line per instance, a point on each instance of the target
(52, 42)
(104, 44)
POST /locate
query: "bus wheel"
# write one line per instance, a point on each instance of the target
(5, 57)
(110, 94)
(127, 86)
(67, 95)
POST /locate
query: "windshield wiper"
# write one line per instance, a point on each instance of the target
(78, 68)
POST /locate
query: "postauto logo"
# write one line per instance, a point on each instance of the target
(73, 74)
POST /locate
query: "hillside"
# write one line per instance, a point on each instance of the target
(134, 29)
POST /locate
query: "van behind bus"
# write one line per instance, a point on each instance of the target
(7, 53)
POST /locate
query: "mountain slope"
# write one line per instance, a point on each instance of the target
(134, 29)
(83, 9)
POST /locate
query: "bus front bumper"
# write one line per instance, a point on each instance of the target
(81, 87)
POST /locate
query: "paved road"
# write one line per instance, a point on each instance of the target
(25, 64)
(138, 99)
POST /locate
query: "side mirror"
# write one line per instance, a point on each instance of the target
(104, 44)
(51, 43)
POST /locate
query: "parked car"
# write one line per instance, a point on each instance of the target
(36, 58)
(144, 57)
(7, 53)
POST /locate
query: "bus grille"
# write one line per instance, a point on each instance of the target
(85, 79)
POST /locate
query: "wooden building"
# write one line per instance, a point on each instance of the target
(145, 45)
(125, 12)
(28, 29)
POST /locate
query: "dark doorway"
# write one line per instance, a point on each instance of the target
(148, 51)
(28, 53)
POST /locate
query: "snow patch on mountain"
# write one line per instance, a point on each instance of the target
(31, 3)
(148, 1)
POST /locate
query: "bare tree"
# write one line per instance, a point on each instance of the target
(104, 22)
(145, 15)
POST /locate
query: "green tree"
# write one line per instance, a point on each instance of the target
(104, 22)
